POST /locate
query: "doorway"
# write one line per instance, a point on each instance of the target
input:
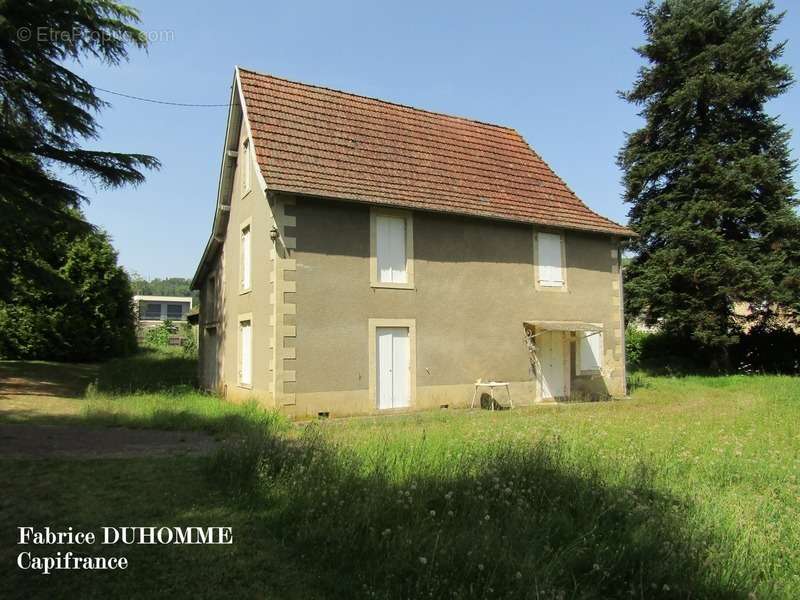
(393, 363)
(553, 365)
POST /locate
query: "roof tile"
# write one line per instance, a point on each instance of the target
(322, 142)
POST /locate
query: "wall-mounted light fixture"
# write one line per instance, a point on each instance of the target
(273, 233)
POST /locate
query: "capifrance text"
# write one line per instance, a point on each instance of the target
(106, 536)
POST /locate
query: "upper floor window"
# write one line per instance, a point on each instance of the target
(550, 260)
(211, 298)
(163, 311)
(392, 250)
(174, 312)
(245, 267)
(246, 167)
(152, 310)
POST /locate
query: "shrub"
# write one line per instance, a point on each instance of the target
(189, 343)
(149, 370)
(158, 337)
(661, 353)
(73, 305)
(634, 341)
(768, 350)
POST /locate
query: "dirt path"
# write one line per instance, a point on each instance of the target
(41, 378)
(57, 441)
(31, 391)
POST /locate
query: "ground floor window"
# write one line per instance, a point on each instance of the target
(245, 352)
(590, 351)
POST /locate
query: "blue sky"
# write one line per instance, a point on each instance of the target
(549, 69)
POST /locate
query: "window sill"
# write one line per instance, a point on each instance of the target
(245, 291)
(245, 386)
(551, 288)
(392, 286)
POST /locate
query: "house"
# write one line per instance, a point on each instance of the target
(152, 311)
(367, 256)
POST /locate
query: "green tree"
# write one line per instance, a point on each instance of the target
(100, 311)
(168, 286)
(82, 312)
(47, 111)
(708, 176)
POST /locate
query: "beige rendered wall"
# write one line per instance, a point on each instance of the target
(474, 288)
(232, 302)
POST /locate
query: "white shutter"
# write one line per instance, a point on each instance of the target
(591, 351)
(399, 274)
(383, 232)
(401, 360)
(245, 352)
(391, 249)
(385, 360)
(246, 258)
(551, 269)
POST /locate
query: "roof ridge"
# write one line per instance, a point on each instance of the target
(381, 100)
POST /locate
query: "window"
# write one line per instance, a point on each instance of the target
(391, 241)
(245, 352)
(245, 167)
(550, 260)
(245, 258)
(174, 312)
(391, 249)
(591, 351)
(152, 311)
(211, 298)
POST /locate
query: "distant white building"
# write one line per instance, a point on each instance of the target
(151, 311)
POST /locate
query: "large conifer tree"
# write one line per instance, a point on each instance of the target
(48, 112)
(709, 176)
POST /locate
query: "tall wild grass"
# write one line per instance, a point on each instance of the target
(690, 490)
(494, 521)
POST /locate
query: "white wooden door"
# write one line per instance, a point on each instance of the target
(394, 367)
(550, 348)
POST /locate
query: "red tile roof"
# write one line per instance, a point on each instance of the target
(321, 142)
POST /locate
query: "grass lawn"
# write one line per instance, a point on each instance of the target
(690, 489)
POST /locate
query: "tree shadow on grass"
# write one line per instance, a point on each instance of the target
(172, 492)
(503, 521)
